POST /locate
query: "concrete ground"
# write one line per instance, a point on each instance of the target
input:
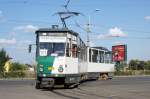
(117, 88)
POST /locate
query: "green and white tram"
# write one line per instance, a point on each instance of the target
(64, 59)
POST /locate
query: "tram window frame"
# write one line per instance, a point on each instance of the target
(67, 50)
(90, 55)
(85, 53)
(74, 50)
(101, 54)
(107, 57)
(94, 55)
(52, 48)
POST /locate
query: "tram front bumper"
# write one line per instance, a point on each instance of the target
(47, 82)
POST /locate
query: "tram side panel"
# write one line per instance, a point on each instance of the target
(82, 58)
(100, 70)
(99, 63)
(71, 65)
(100, 67)
(82, 67)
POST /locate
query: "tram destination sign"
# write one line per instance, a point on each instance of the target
(52, 39)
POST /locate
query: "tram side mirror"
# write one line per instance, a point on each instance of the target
(30, 48)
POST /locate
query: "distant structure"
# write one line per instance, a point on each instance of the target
(7, 65)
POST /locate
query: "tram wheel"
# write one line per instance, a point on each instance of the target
(37, 85)
(104, 77)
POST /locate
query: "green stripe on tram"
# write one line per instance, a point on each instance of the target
(46, 62)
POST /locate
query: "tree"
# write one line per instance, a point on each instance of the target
(141, 65)
(3, 59)
(17, 70)
(18, 67)
(147, 65)
(133, 64)
(136, 64)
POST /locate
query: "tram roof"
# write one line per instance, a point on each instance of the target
(101, 48)
(56, 30)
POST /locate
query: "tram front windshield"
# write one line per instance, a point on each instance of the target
(51, 49)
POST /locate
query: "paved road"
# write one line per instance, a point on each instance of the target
(117, 88)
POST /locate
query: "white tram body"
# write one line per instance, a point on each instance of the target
(62, 56)
(99, 60)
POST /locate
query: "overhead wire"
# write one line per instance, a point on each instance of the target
(42, 22)
(100, 26)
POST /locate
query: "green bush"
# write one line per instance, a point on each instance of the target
(15, 74)
(123, 73)
(17, 70)
(17, 66)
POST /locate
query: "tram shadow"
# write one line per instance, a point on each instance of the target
(58, 88)
(61, 87)
(88, 80)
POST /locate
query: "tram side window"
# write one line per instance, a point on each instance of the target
(101, 53)
(74, 50)
(67, 50)
(83, 53)
(107, 57)
(94, 55)
(89, 55)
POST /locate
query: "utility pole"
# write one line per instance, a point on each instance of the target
(88, 27)
(88, 34)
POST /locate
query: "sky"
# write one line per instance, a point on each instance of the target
(115, 22)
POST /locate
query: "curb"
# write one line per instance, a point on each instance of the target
(133, 76)
(17, 78)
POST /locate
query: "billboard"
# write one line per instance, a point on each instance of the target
(119, 53)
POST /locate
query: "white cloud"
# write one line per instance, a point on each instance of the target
(113, 32)
(118, 43)
(147, 17)
(7, 41)
(27, 28)
(116, 32)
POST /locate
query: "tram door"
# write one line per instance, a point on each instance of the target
(71, 54)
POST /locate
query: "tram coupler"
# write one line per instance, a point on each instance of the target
(47, 82)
